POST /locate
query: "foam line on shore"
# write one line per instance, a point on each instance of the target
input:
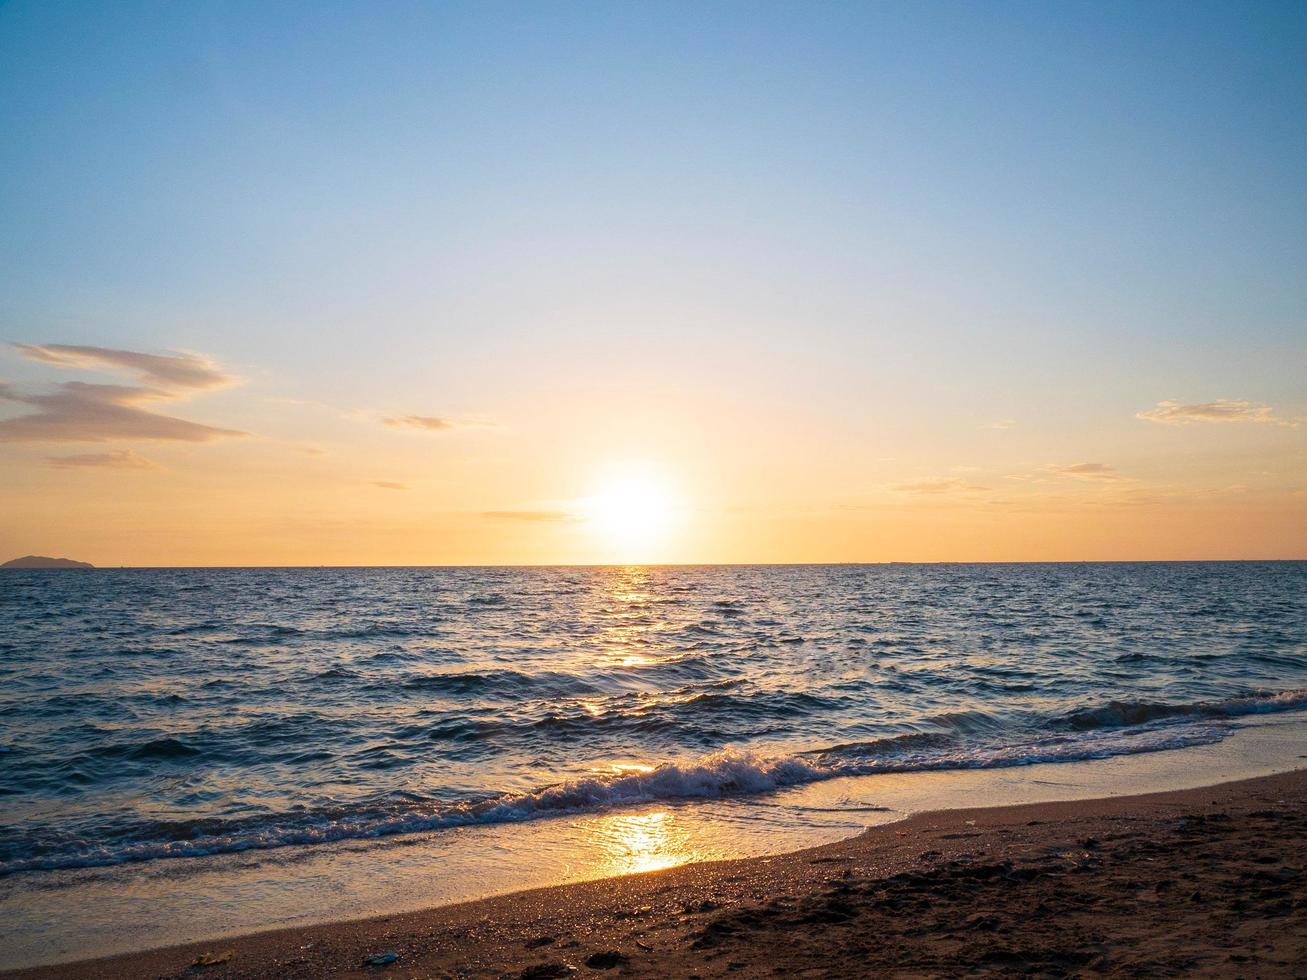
(1098, 732)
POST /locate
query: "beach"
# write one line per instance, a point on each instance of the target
(1206, 882)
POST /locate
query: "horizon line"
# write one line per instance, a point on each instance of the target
(721, 564)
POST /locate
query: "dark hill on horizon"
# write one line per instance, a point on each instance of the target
(40, 561)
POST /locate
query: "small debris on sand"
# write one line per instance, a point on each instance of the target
(212, 959)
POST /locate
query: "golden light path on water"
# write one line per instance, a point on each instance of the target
(628, 843)
(642, 842)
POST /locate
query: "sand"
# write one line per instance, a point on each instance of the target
(1206, 882)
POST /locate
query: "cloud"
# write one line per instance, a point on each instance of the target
(1221, 410)
(938, 485)
(122, 459)
(426, 423)
(1000, 424)
(528, 515)
(75, 411)
(176, 370)
(80, 412)
(1085, 471)
(429, 423)
(389, 485)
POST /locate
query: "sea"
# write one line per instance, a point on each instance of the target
(199, 731)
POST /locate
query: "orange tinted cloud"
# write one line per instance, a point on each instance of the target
(527, 515)
(938, 485)
(122, 459)
(1221, 410)
(175, 370)
(79, 412)
(430, 423)
(1086, 471)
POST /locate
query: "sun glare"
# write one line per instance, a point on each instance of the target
(633, 510)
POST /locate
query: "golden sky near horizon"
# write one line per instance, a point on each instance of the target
(181, 462)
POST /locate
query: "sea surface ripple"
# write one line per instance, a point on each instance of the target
(161, 713)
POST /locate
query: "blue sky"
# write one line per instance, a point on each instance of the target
(830, 215)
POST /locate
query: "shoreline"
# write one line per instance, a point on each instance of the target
(1200, 881)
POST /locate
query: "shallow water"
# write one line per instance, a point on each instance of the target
(171, 713)
(68, 914)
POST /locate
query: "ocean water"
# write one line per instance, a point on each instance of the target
(161, 715)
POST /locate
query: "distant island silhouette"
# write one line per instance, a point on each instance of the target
(41, 561)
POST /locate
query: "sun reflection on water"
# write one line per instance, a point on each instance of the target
(626, 768)
(630, 624)
(628, 843)
(633, 842)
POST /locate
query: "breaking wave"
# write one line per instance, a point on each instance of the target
(1112, 729)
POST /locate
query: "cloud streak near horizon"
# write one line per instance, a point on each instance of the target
(122, 459)
(937, 485)
(80, 412)
(542, 516)
(1086, 471)
(177, 370)
(1222, 410)
(77, 411)
(429, 423)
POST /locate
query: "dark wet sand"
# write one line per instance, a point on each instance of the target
(1206, 882)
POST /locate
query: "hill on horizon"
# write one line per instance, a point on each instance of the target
(41, 561)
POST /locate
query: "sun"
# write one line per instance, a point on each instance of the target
(632, 509)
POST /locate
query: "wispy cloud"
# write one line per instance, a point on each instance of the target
(428, 423)
(528, 515)
(75, 411)
(80, 412)
(424, 423)
(1000, 424)
(1084, 471)
(122, 459)
(175, 370)
(389, 485)
(1221, 410)
(937, 485)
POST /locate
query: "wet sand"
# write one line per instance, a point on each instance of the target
(1205, 882)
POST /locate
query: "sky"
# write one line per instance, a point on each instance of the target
(529, 283)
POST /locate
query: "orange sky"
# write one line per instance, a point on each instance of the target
(252, 478)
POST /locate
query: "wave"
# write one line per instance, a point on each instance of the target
(1116, 714)
(1113, 729)
(502, 682)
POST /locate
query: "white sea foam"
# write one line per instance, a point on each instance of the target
(728, 773)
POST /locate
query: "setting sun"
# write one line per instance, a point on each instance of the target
(633, 510)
